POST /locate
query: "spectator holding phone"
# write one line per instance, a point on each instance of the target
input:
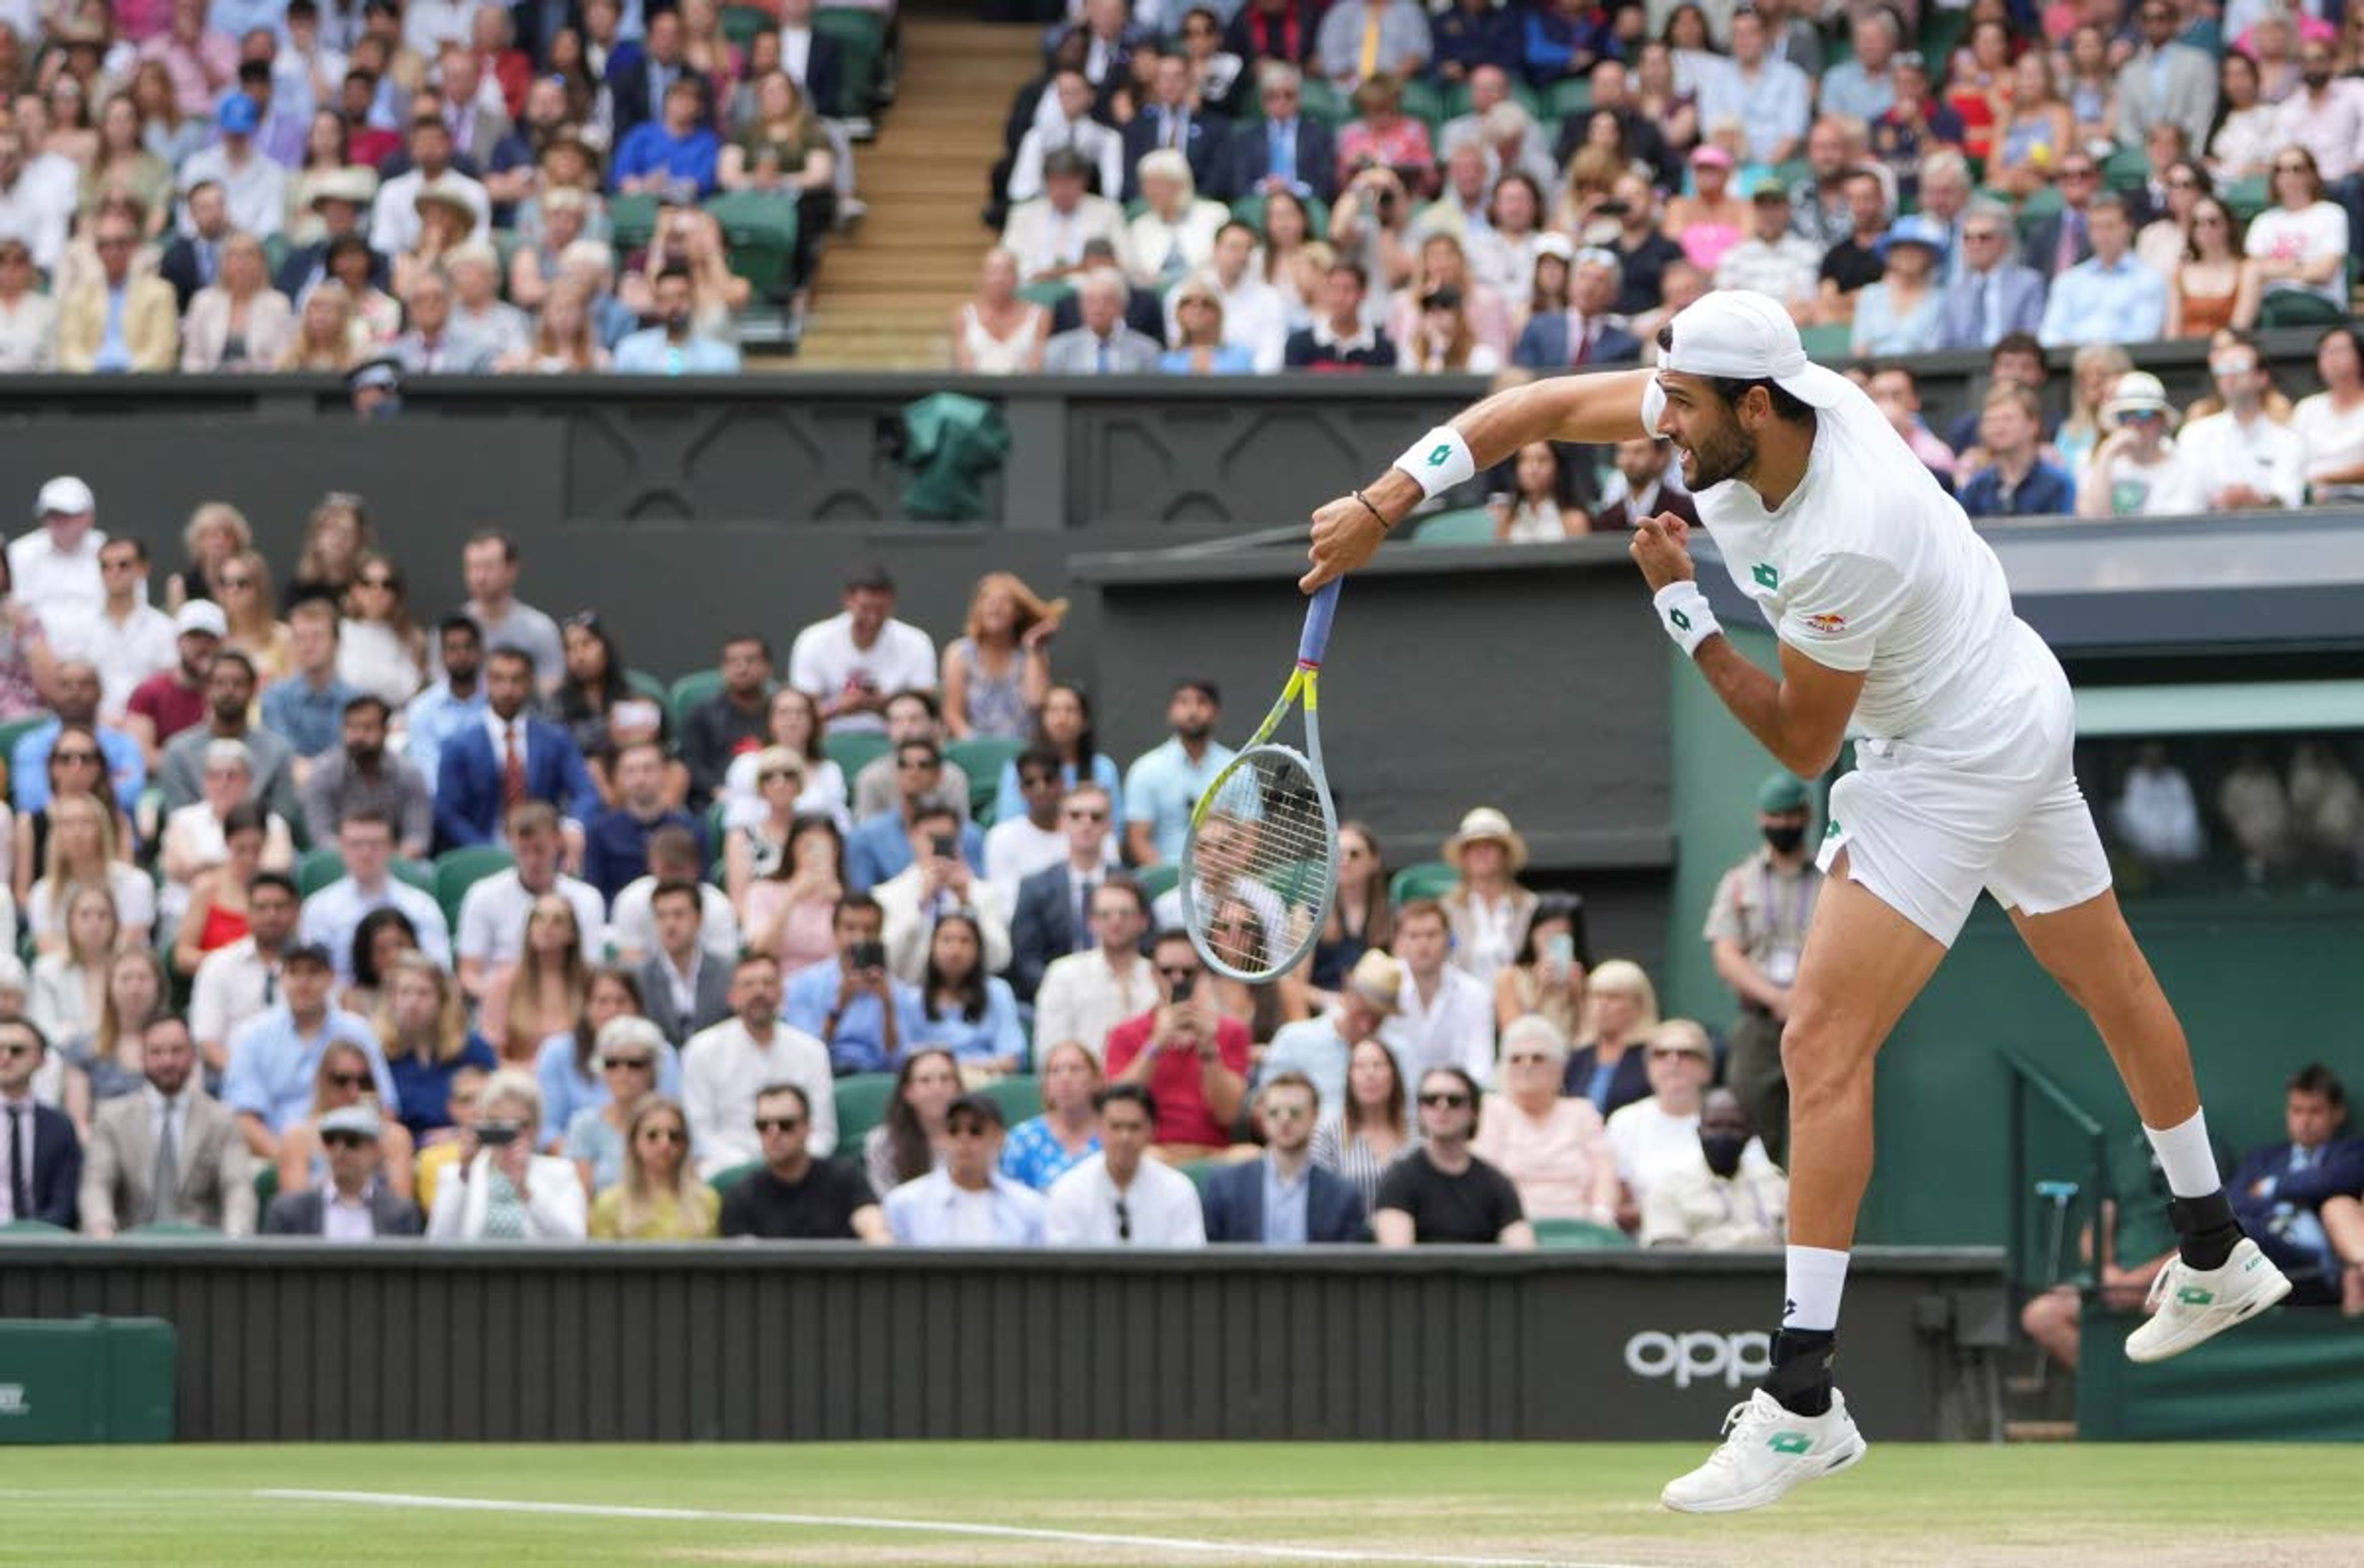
(1193, 1059)
(500, 1190)
(937, 883)
(854, 1006)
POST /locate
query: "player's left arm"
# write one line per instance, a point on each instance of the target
(1802, 717)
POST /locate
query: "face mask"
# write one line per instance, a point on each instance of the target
(1785, 840)
(1723, 1150)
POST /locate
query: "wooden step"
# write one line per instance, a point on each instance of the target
(2039, 1431)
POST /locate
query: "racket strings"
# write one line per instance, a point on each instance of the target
(1263, 865)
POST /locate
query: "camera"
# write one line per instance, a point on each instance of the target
(946, 846)
(1179, 992)
(868, 955)
(496, 1134)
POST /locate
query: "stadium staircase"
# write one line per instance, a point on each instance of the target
(887, 290)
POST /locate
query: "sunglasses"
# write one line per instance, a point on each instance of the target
(778, 1123)
(350, 1080)
(916, 764)
(1656, 1055)
(1123, 1221)
(1452, 1101)
(343, 1139)
(637, 1063)
(968, 1129)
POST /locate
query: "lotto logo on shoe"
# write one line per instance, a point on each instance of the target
(1699, 1355)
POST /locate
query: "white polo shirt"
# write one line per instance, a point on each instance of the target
(1160, 1208)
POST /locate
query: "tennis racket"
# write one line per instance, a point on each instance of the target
(1260, 863)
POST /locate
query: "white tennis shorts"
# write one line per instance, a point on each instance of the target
(1926, 826)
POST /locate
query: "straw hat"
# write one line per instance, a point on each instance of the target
(446, 193)
(1481, 825)
(1376, 980)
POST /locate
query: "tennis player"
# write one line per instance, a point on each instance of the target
(1895, 627)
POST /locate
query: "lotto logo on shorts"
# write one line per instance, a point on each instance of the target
(1828, 623)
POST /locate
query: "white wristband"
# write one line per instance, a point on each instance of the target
(1438, 461)
(1684, 611)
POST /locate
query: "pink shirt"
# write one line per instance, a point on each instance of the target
(1562, 1165)
(1403, 145)
(198, 74)
(804, 937)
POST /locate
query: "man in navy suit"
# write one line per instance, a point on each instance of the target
(1582, 334)
(536, 760)
(1991, 294)
(1287, 150)
(2279, 1190)
(640, 74)
(1167, 120)
(1283, 1199)
(1055, 904)
(43, 1154)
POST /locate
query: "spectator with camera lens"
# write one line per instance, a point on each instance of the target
(855, 1007)
(498, 1188)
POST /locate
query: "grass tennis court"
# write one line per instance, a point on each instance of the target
(2153, 1505)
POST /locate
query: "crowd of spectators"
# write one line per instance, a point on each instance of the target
(449, 188)
(466, 935)
(1376, 185)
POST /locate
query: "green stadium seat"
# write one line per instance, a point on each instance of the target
(1471, 524)
(860, 1105)
(1047, 294)
(742, 23)
(982, 758)
(689, 691)
(1571, 97)
(1422, 102)
(1580, 1234)
(1456, 100)
(456, 871)
(2126, 168)
(1324, 103)
(724, 1180)
(171, 1230)
(15, 730)
(1198, 1171)
(760, 229)
(862, 36)
(1159, 879)
(1249, 211)
(853, 751)
(2245, 199)
(1426, 879)
(1828, 342)
(1020, 1095)
(631, 221)
(2041, 203)
(650, 686)
(33, 1228)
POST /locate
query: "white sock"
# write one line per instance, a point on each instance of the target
(2185, 1156)
(1817, 1278)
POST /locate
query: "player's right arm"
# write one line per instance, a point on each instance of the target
(1592, 409)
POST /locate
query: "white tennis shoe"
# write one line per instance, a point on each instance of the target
(1767, 1449)
(2189, 1305)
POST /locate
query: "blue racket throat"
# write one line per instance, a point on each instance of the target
(1318, 617)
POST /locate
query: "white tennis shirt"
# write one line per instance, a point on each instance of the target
(1871, 566)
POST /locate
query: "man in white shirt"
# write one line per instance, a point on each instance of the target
(672, 857)
(1066, 125)
(428, 25)
(2239, 459)
(1773, 260)
(852, 662)
(240, 982)
(1052, 234)
(1716, 1199)
(36, 206)
(725, 1067)
(127, 638)
(1087, 993)
(393, 216)
(936, 884)
(1444, 1018)
(53, 569)
(1254, 318)
(1019, 848)
(967, 1201)
(492, 912)
(256, 187)
(1116, 1197)
(365, 838)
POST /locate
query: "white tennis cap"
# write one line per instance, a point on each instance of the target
(1747, 335)
(65, 496)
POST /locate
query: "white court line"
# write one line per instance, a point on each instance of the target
(923, 1527)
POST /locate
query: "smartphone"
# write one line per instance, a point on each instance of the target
(494, 1134)
(1559, 952)
(946, 846)
(868, 955)
(1179, 992)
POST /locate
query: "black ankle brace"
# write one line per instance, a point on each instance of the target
(2205, 1230)
(1801, 1378)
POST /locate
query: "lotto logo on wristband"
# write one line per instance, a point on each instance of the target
(1437, 457)
(1682, 622)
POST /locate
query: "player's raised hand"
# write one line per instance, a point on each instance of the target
(1346, 534)
(1661, 548)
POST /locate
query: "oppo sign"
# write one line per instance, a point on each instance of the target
(1700, 1356)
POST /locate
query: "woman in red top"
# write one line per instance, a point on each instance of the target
(217, 914)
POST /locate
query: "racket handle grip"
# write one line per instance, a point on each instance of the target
(1318, 615)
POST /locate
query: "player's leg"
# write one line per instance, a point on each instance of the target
(2218, 1278)
(1863, 963)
